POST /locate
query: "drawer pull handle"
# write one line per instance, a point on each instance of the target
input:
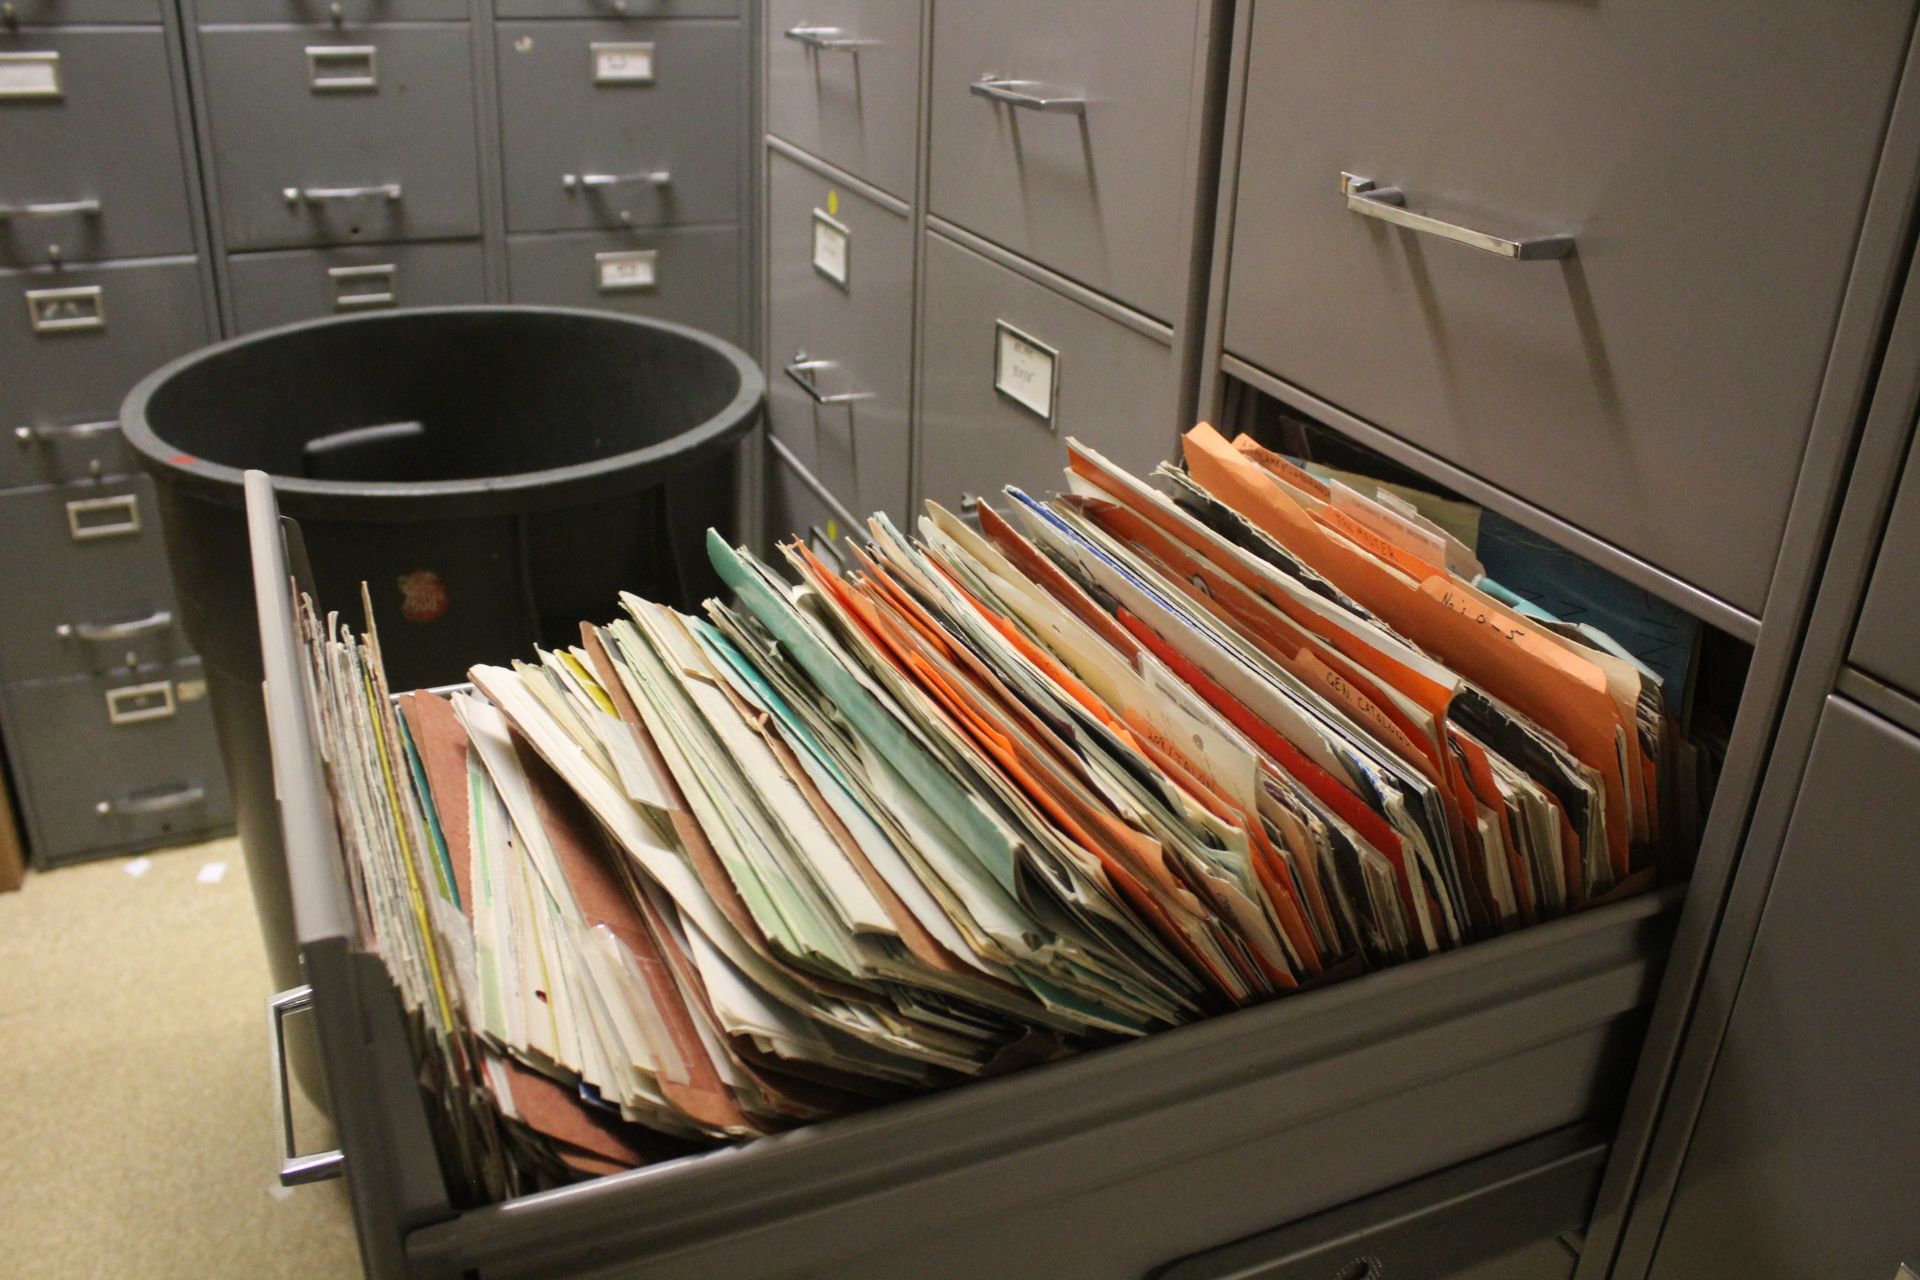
(827, 38)
(36, 435)
(801, 369)
(1388, 204)
(1014, 94)
(295, 1169)
(50, 209)
(653, 177)
(390, 191)
(138, 806)
(107, 632)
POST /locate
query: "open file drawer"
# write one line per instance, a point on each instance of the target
(1115, 1163)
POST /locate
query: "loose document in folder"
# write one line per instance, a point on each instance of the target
(982, 795)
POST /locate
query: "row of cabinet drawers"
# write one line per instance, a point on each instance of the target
(45, 13)
(689, 275)
(106, 763)
(1012, 361)
(1059, 130)
(371, 135)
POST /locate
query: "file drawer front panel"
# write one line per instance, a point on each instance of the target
(644, 130)
(1093, 191)
(53, 452)
(318, 13)
(1113, 1165)
(843, 82)
(107, 762)
(94, 167)
(1887, 642)
(89, 577)
(302, 284)
(839, 323)
(88, 13)
(1811, 1120)
(87, 334)
(332, 137)
(616, 9)
(1111, 386)
(689, 275)
(1654, 387)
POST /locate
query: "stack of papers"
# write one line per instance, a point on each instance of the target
(973, 797)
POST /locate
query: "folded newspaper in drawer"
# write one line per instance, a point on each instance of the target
(966, 800)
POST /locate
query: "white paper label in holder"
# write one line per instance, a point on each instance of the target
(1024, 370)
(626, 62)
(627, 270)
(831, 245)
(30, 75)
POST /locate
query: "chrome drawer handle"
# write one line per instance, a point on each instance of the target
(801, 368)
(1013, 93)
(50, 209)
(30, 436)
(105, 632)
(162, 802)
(826, 38)
(1388, 204)
(653, 177)
(390, 191)
(295, 1169)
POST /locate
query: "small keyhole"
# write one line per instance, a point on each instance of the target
(1364, 1267)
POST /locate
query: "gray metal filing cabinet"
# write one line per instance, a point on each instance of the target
(1566, 261)
(439, 152)
(984, 231)
(1784, 1146)
(180, 170)
(102, 278)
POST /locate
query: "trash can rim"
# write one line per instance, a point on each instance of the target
(732, 419)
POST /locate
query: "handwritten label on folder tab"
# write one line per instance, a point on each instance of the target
(1194, 732)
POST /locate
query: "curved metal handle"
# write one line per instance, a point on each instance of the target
(800, 369)
(653, 177)
(162, 802)
(1014, 94)
(33, 435)
(50, 209)
(826, 38)
(103, 632)
(1388, 204)
(390, 191)
(295, 1169)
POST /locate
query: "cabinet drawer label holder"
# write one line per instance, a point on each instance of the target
(622, 62)
(30, 75)
(357, 288)
(67, 310)
(113, 517)
(1026, 371)
(343, 68)
(832, 247)
(626, 270)
(136, 703)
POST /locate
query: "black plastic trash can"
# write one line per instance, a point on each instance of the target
(494, 474)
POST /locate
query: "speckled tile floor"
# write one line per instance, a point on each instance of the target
(136, 1113)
